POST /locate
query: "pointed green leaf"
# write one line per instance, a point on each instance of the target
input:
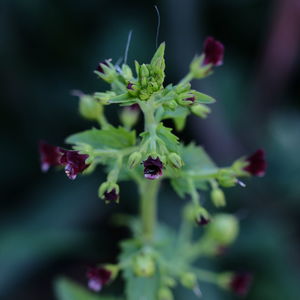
(159, 54)
(170, 140)
(197, 160)
(110, 138)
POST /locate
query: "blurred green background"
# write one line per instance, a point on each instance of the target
(52, 226)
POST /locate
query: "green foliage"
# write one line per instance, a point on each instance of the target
(66, 289)
(197, 165)
(110, 138)
(166, 135)
(197, 160)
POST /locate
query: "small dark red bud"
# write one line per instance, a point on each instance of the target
(129, 86)
(111, 196)
(190, 99)
(213, 52)
(202, 221)
(257, 163)
(100, 68)
(240, 283)
(97, 278)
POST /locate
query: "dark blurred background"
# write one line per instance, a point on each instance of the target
(51, 226)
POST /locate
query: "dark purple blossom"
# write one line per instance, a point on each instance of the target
(111, 196)
(257, 163)
(202, 221)
(97, 278)
(74, 162)
(190, 99)
(152, 168)
(100, 67)
(49, 155)
(213, 52)
(129, 86)
(240, 283)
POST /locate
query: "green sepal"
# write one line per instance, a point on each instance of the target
(202, 98)
(123, 98)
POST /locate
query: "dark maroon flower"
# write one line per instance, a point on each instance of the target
(213, 52)
(190, 99)
(202, 221)
(97, 278)
(74, 162)
(152, 168)
(100, 68)
(240, 283)
(257, 163)
(129, 86)
(50, 155)
(111, 196)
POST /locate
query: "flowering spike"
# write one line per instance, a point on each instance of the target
(256, 163)
(49, 155)
(152, 168)
(97, 278)
(213, 52)
(74, 162)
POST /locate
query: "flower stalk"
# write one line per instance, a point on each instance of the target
(148, 207)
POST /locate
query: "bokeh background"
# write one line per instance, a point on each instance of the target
(51, 226)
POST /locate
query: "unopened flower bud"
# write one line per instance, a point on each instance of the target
(218, 198)
(175, 160)
(202, 217)
(223, 229)
(134, 159)
(200, 110)
(109, 192)
(239, 283)
(126, 72)
(256, 163)
(129, 115)
(189, 280)
(165, 294)
(196, 213)
(89, 107)
(172, 104)
(144, 265)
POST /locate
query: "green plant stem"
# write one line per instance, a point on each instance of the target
(103, 122)
(148, 201)
(189, 77)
